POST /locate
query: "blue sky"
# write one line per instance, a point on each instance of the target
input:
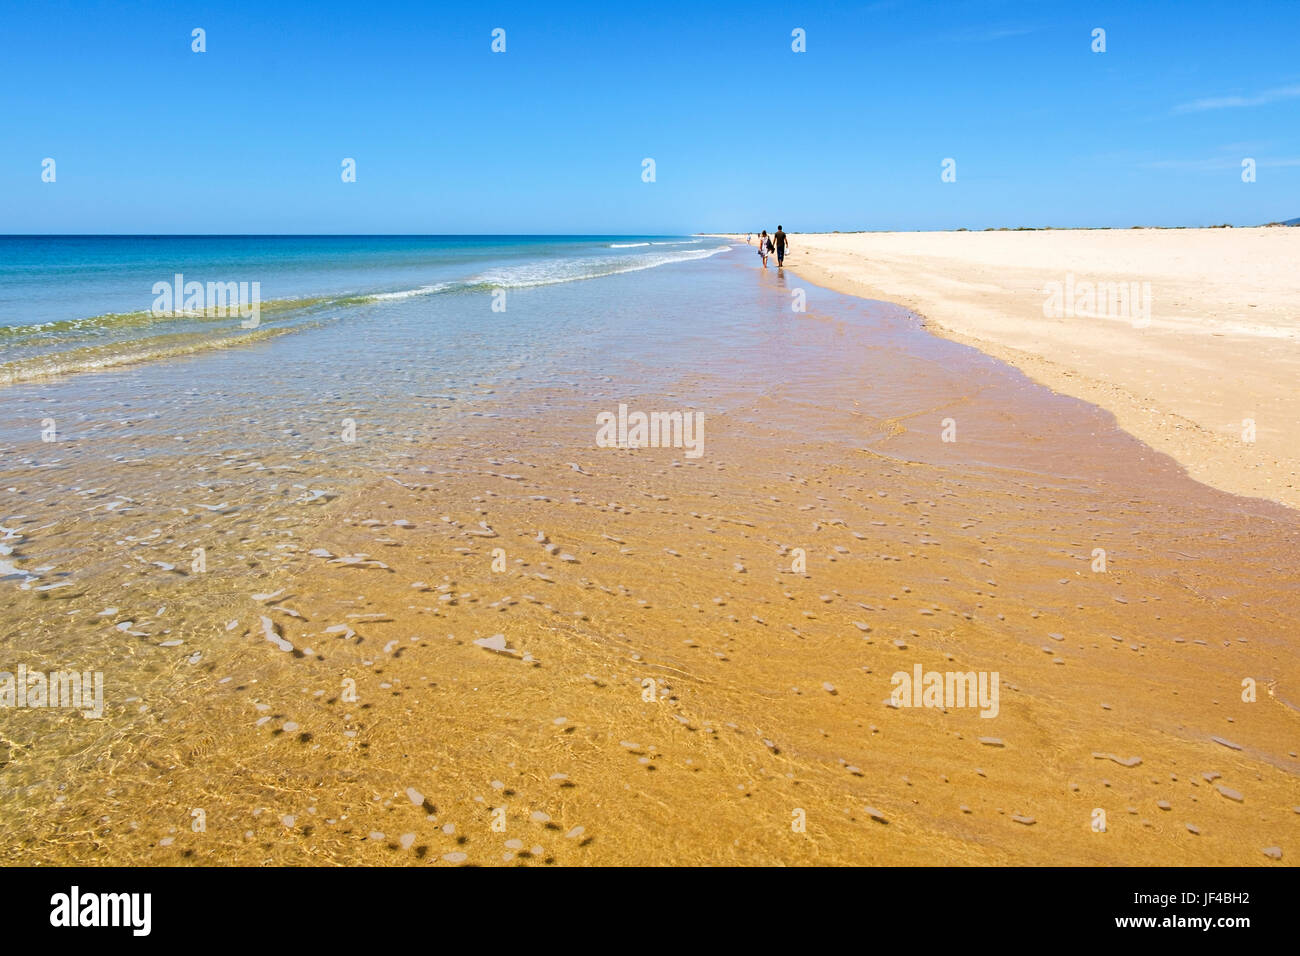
(549, 137)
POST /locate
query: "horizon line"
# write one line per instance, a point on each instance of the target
(586, 235)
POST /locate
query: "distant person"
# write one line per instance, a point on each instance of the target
(763, 243)
(782, 240)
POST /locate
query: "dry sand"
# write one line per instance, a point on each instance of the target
(1222, 344)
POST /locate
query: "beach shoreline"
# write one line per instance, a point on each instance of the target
(1207, 375)
(476, 633)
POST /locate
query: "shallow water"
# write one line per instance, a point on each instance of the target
(70, 304)
(476, 429)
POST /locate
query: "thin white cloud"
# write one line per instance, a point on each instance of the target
(1233, 102)
(985, 36)
(1202, 165)
(1211, 165)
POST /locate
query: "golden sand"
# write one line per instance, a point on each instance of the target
(658, 681)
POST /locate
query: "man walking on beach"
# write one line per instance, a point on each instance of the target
(781, 240)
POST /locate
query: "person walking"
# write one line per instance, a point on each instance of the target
(763, 244)
(782, 241)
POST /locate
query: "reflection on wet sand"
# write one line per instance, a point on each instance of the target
(481, 638)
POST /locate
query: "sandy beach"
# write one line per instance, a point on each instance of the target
(476, 636)
(432, 483)
(1219, 346)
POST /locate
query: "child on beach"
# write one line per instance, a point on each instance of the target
(764, 244)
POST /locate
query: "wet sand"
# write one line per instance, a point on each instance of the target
(770, 685)
(1220, 345)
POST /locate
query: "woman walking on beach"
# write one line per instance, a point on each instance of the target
(762, 247)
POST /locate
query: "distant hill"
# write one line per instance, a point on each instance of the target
(1292, 222)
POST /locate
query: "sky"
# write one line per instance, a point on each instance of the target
(550, 136)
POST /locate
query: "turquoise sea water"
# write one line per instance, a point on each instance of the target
(387, 353)
(371, 350)
(79, 303)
